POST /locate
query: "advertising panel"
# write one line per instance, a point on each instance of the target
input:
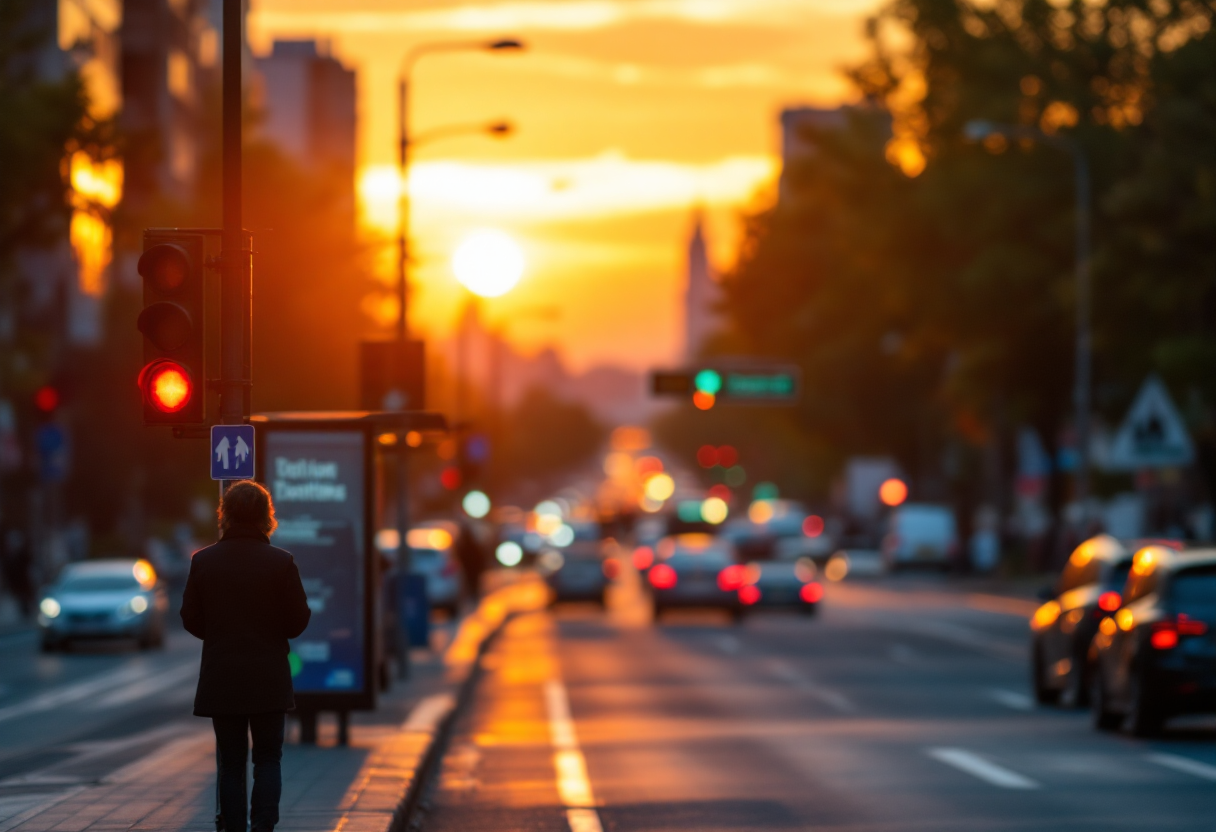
(317, 479)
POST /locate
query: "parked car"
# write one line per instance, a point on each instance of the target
(695, 570)
(113, 598)
(920, 534)
(433, 555)
(1155, 657)
(1063, 628)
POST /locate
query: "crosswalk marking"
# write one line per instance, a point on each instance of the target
(1184, 764)
(68, 694)
(977, 766)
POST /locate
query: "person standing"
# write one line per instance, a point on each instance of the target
(244, 599)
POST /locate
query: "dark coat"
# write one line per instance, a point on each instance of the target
(244, 599)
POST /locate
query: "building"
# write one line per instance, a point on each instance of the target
(167, 48)
(702, 294)
(308, 102)
(798, 125)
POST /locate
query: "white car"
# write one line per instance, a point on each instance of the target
(117, 598)
(920, 534)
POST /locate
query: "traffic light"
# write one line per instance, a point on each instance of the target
(174, 378)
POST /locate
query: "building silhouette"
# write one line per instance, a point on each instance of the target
(702, 294)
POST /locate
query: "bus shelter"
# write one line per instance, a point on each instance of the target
(321, 469)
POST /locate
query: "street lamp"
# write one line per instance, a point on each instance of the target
(405, 142)
(978, 131)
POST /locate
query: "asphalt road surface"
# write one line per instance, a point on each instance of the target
(903, 706)
(71, 719)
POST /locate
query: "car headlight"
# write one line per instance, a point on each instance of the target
(136, 606)
(50, 608)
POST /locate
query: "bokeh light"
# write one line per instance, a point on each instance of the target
(660, 487)
(714, 510)
(509, 553)
(893, 492)
(476, 504)
(813, 526)
(488, 262)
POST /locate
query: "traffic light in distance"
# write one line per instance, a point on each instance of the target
(173, 380)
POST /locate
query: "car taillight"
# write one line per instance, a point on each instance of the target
(749, 594)
(811, 592)
(1166, 634)
(662, 576)
(643, 557)
(731, 578)
(1109, 601)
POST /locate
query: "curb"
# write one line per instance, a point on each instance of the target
(407, 814)
(499, 608)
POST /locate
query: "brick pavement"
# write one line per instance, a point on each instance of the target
(358, 788)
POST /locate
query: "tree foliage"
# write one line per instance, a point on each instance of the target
(926, 284)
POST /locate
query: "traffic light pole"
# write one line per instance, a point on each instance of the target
(236, 257)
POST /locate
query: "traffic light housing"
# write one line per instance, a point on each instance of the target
(173, 380)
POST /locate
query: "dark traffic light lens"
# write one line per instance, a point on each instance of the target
(166, 325)
(166, 267)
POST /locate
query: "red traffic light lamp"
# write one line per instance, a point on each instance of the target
(173, 324)
(166, 386)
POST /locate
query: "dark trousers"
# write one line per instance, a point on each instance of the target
(232, 749)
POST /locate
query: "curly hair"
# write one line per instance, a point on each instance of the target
(247, 503)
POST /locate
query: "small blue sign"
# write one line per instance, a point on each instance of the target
(232, 452)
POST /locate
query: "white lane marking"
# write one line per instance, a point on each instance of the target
(1011, 699)
(977, 766)
(146, 687)
(728, 644)
(1184, 764)
(428, 713)
(834, 700)
(68, 694)
(573, 785)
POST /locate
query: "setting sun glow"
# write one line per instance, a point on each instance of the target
(488, 262)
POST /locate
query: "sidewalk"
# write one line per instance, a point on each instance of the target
(364, 787)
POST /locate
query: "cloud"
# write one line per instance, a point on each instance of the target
(567, 15)
(605, 185)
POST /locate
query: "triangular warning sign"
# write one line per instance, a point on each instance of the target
(1153, 434)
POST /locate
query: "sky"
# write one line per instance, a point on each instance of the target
(628, 115)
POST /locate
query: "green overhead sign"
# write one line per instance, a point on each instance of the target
(773, 384)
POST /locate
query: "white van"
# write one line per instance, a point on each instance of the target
(920, 534)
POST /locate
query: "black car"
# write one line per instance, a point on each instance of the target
(1155, 657)
(1063, 628)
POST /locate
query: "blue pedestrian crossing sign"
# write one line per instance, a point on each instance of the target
(232, 452)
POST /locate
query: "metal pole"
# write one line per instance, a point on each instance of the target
(235, 256)
(403, 219)
(1081, 391)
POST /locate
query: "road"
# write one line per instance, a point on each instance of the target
(71, 719)
(903, 706)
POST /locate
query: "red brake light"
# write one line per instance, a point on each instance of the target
(811, 592)
(731, 578)
(1188, 626)
(662, 576)
(749, 594)
(167, 386)
(1164, 638)
(643, 557)
(1109, 601)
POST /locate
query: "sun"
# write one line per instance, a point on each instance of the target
(488, 262)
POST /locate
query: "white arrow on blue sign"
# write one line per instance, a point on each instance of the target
(232, 452)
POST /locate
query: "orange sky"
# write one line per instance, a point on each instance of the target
(628, 113)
